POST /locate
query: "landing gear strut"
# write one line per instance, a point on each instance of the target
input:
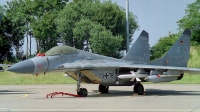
(81, 91)
(138, 88)
(103, 89)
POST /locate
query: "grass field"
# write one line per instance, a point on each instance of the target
(8, 78)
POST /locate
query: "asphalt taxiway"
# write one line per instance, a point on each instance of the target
(158, 97)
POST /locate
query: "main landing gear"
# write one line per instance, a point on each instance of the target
(138, 88)
(103, 89)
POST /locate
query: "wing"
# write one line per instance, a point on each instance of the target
(140, 72)
(154, 67)
(88, 68)
(103, 64)
(88, 64)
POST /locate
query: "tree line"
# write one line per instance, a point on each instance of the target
(99, 26)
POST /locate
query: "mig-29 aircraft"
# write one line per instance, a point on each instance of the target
(3, 66)
(132, 69)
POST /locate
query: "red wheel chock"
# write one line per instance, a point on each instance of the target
(62, 93)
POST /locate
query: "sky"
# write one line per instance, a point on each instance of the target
(157, 17)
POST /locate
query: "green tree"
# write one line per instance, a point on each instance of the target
(104, 42)
(89, 34)
(81, 33)
(25, 10)
(91, 12)
(192, 21)
(42, 22)
(113, 18)
(5, 46)
(162, 46)
(14, 23)
(70, 15)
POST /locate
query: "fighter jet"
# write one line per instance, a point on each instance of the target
(132, 69)
(3, 65)
(1, 69)
(59, 56)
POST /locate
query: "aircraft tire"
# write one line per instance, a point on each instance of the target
(78, 93)
(139, 89)
(83, 92)
(103, 89)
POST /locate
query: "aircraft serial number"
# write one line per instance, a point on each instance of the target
(106, 75)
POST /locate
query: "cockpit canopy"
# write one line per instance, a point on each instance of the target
(57, 50)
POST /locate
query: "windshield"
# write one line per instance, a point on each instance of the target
(61, 49)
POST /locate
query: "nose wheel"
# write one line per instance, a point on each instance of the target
(82, 92)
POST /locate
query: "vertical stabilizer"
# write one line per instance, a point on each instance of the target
(178, 54)
(139, 52)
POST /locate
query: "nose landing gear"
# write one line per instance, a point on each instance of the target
(81, 92)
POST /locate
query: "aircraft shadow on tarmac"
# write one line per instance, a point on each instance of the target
(7, 92)
(149, 92)
(121, 93)
(117, 93)
(158, 92)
